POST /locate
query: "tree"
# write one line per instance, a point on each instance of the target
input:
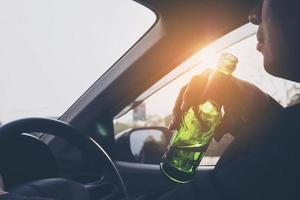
(119, 127)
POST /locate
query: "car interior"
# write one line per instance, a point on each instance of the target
(78, 155)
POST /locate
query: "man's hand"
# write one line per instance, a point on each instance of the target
(244, 104)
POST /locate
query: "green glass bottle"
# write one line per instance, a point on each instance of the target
(190, 141)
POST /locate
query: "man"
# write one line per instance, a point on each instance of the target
(263, 162)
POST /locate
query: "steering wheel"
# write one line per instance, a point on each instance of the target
(108, 173)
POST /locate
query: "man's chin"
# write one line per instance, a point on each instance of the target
(281, 71)
(271, 70)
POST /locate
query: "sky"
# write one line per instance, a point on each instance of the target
(51, 51)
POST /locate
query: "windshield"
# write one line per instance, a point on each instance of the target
(51, 51)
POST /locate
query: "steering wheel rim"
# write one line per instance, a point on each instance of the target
(63, 130)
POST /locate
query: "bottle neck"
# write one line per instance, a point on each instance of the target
(224, 69)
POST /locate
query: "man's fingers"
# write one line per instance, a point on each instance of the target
(193, 92)
(231, 123)
(189, 95)
(177, 110)
(223, 128)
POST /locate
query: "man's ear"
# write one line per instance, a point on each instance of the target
(256, 13)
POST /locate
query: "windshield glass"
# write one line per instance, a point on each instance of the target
(51, 51)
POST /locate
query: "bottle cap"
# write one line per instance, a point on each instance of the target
(228, 61)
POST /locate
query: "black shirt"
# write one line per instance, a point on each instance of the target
(262, 163)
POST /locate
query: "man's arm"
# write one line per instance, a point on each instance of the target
(261, 165)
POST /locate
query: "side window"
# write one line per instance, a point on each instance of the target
(157, 109)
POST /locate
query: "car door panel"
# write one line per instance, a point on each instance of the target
(143, 179)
